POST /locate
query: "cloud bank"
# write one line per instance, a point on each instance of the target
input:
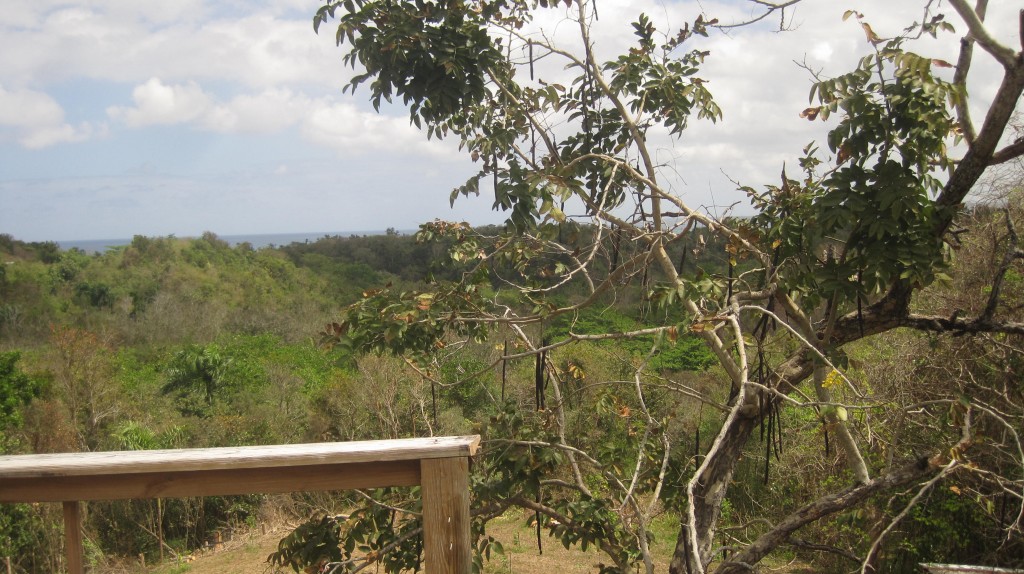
(242, 100)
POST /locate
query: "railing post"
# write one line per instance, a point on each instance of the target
(73, 536)
(445, 490)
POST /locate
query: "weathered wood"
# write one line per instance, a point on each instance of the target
(446, 522)
(217, 482)
(289, 455)
(73, 537)
(440, 465)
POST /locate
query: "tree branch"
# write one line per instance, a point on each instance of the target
(854, 459)
(1010, 152)
(978, 32)
(824, 506)
(770, 8)
(963, 66)
(965, 440)
(570, 524)
(959, 326)
(980, 153)
(801, 543)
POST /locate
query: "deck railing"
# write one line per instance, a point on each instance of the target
(439, 465)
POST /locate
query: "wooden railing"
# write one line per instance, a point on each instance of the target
(439, 465)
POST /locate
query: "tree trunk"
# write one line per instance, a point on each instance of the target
(713, 485)
(709, 493)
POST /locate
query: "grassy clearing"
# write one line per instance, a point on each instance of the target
(247, 553)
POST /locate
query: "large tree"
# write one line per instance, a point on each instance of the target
(836, 255)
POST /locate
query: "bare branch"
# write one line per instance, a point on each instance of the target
(978, 32)
(963, 66)
(376, 502)
(1004, 267)
(800, 543)
(1008, 153)
(822, 507)
(958, 325)
(865, 565)
(769, 9)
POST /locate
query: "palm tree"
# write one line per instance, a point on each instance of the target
(196, 366)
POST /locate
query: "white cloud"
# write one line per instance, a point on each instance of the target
(323, 121)
(348, 129)
(159, 103)
(268, 111)
(37, 120)
(26, 109)
(822, 51)
(155, 12)
(269, 51)
(256, 44)
(47, 136)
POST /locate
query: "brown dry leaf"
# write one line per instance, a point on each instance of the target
(872, 37)
(810, 113)
(843, 155)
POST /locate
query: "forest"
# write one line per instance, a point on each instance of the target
(174, 343)
(834, 379)
(177, 343)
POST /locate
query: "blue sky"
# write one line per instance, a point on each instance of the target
(120, 117)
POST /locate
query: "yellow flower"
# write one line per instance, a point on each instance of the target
(834, 379)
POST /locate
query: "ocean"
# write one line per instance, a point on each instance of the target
(256, 240)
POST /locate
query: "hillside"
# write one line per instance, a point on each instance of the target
(177, 343)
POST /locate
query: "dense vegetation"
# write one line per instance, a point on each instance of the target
(170, 343)
(193, 343)
(838, 377)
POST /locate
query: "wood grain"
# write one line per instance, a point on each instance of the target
(445, 490)
(73, 537)
(439, 464)
(218, 482)
(145, 461)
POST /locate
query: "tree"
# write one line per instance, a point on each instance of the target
(197, 367)
(83, 372)
(840, 255)
(17, 389)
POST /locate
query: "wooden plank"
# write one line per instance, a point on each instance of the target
(219, 482)
(73, 537)
(148, 461)
(446, 522)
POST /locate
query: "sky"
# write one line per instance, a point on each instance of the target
(122, 118)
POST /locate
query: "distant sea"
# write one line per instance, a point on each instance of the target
(257, 241)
